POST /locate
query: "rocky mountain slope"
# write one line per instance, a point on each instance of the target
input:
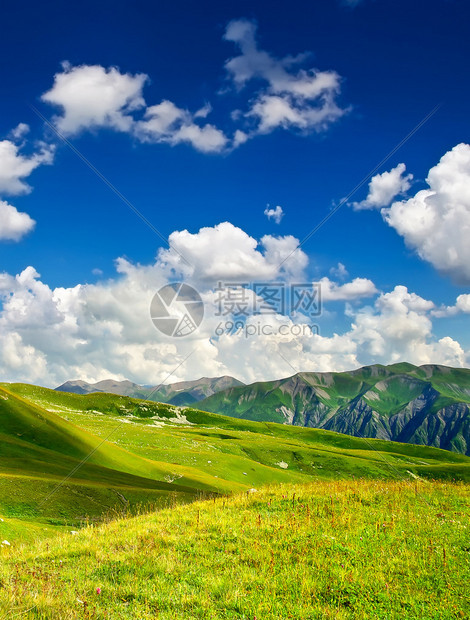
(427, 405)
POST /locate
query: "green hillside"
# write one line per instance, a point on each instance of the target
(327, 550)
(427, 405)
(139, 452)
(54, 473)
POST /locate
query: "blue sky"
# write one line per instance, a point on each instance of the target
(384, 64)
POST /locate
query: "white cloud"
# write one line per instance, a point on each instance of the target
(398, 328)
(22, 360)
(227, 253)
(285, 255)
(436, 221)
(275, 214)
(384, 187)
(16, 167)
(462, 306)
(19, 132)
(204, 111)
(101, 330)
(166, 122)
(463, 303)
(91, 96)
(288, 97)
(356, 289)
(273, 111)
(207, 139)
(13, 223)
(395, 328)
(339, 272)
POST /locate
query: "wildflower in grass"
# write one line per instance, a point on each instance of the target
(6, 543)
(98, 590)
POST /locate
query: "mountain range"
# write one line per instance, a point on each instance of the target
(427, 405)
(182, 394)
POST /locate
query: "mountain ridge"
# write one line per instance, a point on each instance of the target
(181, 393)
(426, 405)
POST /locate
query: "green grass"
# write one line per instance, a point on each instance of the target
(325, 550)
(39, 450)
(358, 529)
(142, 453)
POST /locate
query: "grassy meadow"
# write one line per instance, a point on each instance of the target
(116, 508)
(68, 459)
(329, 549)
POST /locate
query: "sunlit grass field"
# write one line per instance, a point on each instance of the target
(124, 454)
(238, 519)
(328, 549)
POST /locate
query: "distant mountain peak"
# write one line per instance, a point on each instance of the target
(181, 393)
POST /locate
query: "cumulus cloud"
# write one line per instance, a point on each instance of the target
(275, 214)
(398, 328)
(92, 96)
(287, 96)
(95, 331)
(13, 223)
(166, 122)
(356, 289)
(226, 252)
(463, 303)
(461, 306)
(436, 221)
(384, 187)
(15, 166)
